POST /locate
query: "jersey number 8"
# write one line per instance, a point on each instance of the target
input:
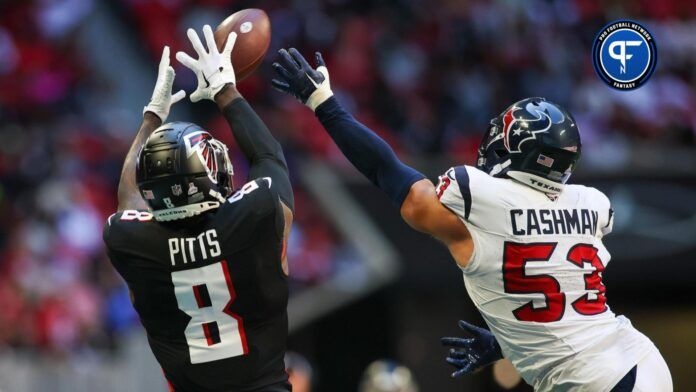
(206, 294)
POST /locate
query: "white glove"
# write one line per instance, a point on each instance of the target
(162, 98)
(213, 69)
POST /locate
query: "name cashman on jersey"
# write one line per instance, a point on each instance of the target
(554, 221)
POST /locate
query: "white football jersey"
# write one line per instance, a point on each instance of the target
(536, 277)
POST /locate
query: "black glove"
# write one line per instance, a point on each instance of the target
(297, 78)
(474, 353)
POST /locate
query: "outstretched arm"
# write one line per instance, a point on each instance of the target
(406, 187)
(128, 194)
(256, 142)
(154, 114)
(369, 153)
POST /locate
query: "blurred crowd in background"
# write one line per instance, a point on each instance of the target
(426, 75)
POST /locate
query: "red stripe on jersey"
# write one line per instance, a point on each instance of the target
(197, 294)
(169, 383)
(233, 295)
(208, 335)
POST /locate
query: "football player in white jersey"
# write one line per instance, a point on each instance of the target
(529, 246)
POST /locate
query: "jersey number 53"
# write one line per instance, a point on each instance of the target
(516, 281)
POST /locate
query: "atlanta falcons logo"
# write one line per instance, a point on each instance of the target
(519, 128)
(200, 144)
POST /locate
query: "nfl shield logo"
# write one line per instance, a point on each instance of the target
(176, 190)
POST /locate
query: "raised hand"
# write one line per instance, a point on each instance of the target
(471, 354)
(162, 98)
(297, 78)
(212, 68)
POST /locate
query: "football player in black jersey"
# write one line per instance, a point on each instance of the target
(205, 261)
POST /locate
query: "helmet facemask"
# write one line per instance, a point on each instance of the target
(225, 170)
(493, 157)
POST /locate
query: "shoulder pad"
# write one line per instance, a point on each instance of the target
(250, 187)
(453, 191)
(132, 215)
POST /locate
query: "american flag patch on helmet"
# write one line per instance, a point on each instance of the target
(544, 160)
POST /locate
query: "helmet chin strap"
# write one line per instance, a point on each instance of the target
(499, 167)
(182, 212)
(217, 195)
(539, 183)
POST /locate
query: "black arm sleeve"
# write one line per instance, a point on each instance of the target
(371, 155)
(263, 151)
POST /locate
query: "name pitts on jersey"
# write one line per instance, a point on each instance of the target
(190, 249)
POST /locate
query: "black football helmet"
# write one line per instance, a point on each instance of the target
(183, 171)
(534, 141)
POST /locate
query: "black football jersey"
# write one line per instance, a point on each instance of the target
(210, 291)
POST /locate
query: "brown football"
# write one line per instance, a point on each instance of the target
(253, 30)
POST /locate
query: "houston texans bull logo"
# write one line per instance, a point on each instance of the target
(200, 143)
(516, 123)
